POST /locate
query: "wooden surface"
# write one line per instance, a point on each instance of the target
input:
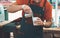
(54, 29)
(3, 23)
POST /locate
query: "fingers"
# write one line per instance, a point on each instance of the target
(27, 9)
(38, 22)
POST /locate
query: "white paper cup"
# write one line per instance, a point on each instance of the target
(28, 15)
(34, 19)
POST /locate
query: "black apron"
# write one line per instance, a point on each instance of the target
(29, 30)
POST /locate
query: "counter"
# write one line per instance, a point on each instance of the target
(51, 32)
(51, 29)
(45, 29)
(3, 23)
(48, 32)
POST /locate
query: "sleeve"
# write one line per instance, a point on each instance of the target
(48, 11)
(20, 2)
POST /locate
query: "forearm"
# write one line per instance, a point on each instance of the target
(14, 8)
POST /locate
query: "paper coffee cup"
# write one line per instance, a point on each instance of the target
(28, 15)
(34, 19)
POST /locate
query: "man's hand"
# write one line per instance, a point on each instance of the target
(27, 9)
(38, 22)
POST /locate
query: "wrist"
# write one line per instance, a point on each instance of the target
(44, 23)
(23, 6)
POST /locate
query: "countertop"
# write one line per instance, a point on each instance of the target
(3, 23)
(45, 29)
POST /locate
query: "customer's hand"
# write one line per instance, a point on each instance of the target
(27, 9)
(38, 22)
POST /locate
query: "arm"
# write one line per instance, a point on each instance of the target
(47, 17)
(18, 6)
(14, 7)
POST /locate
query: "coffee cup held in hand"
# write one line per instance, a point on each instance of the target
(34, 19)
(28, 15)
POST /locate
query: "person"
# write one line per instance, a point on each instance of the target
(30, 30)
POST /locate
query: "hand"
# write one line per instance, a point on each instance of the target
(27, 9)
(38, 22)
(18, 26)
